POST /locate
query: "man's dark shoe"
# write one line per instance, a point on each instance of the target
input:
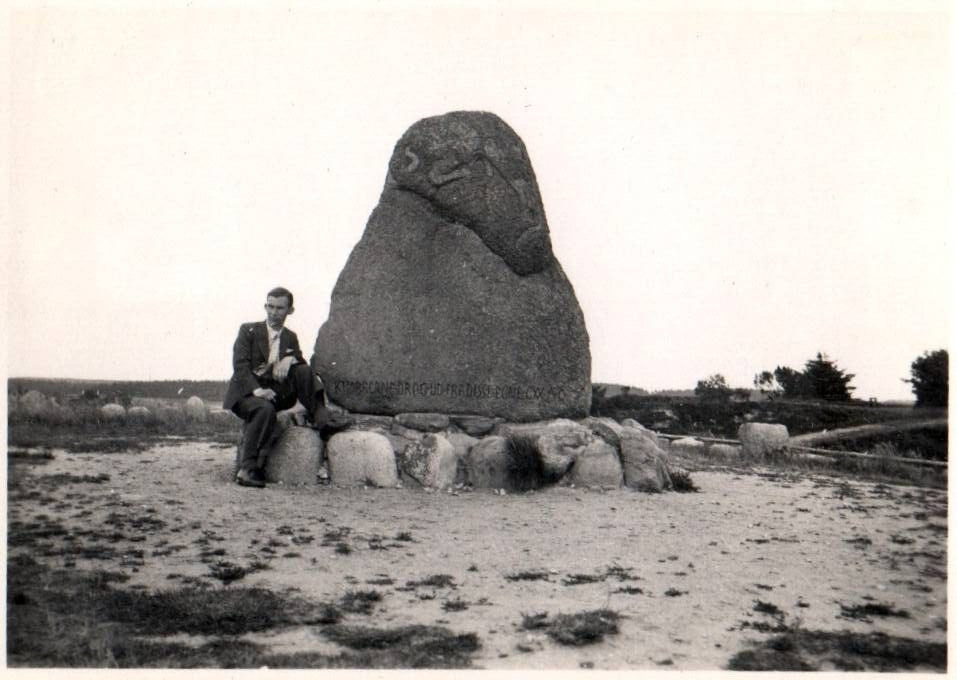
(252, 477)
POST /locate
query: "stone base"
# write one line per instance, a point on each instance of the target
(593, 452)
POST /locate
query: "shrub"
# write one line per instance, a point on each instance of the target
(929, 378)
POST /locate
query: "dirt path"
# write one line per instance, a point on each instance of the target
(685, 570)
(888, 427)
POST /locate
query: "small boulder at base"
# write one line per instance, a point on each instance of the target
(688, 445)
(358, 458)
(597, 466)
(112, 411)
(34, 402)
(295, 458)
(474, 426)
(643, 463)
(195, 409)
(488, 463)
(138, 412)
(724, 451)
(424, 422)
(431, 462)
(760, 439)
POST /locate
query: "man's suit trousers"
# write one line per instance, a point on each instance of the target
(260, 414)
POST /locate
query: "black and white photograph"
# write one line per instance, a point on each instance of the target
(483, 336)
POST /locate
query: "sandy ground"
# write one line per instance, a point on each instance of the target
(805, 543)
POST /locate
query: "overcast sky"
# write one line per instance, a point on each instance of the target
(726, 191)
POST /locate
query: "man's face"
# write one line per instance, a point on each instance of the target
(277, 309)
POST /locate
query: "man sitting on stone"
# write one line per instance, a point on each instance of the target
(269, 375)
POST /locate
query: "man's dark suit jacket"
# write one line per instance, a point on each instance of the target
(250, 351)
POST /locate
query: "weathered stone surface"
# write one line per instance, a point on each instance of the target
(453, 301)
(724, 450)
(431, 462)
(462, 443)
(606, 428)
(405, 432)
(399, 442)
(138, 412)
(597, 466)
(195, 409)
(487, 464)
(295, 457)
(642, 461)
(357, 458)
(559, 427)
(111, 411)
(364, 421)
(424, 422)
(759, 439)
(475, 426)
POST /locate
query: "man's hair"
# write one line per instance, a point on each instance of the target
(281, 292)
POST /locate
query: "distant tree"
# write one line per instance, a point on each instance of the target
(713, 388)
(792, 382)
(825, 380)
(768, 384)
(929, 378)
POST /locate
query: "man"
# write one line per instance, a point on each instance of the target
(269, 375)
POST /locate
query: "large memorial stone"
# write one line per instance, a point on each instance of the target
(452, 301)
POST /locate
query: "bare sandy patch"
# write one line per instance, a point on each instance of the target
(694, 576)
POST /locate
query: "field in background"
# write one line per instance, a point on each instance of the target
(696, 417)
(62, 388)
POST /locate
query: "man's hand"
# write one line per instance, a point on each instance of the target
(264, 393)
(281, 369)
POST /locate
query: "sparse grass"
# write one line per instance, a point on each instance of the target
(768, 608)
(360, 601)
(71, 618)
(528, 576)
(630, 590)
(578, 629)
(579, 579)
(227, 572)
(456, 605)
(863, 612)
(620, 573)
(435, 581)
(525, 467)
(407, 646)
(538, 621)
(681, 480)
(583, 628)
(380, 581)
(807, 650)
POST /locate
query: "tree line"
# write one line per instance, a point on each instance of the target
(823, 379)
